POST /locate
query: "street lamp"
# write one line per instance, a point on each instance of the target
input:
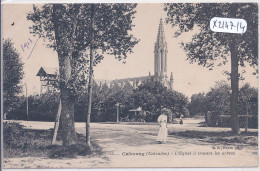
(27, 105)
(117, 112)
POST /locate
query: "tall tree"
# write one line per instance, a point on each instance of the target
(218, 98)
(73, 29)
(152, 96)
(208, 47)
(198, 104)
(12, 75)
(248, 100)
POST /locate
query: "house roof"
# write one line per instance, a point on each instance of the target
(44, 71)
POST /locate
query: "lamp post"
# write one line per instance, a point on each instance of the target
(246, 116)
(27, 105)
(117, 112)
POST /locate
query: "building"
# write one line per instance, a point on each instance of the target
(48, 79)
(160, 66)
(160, 59)
(48, 75)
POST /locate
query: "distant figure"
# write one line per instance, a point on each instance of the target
(12, 24)
(163, 131)
(181, 121)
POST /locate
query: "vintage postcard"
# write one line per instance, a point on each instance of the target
(129, 85)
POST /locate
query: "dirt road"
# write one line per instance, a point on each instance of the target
(136, 146)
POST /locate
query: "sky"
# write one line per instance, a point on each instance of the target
(188, 78)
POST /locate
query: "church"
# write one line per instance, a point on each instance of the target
(47, 75)
(160, 67)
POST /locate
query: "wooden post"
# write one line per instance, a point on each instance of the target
(27, 105)
(41, 85)
(246, 126)
(117, 114)
(56, 125)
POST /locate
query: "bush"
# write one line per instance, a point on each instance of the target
(225, 121)
(21, 142)
(211, 118)
(41, 108)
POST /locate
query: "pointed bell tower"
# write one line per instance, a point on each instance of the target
(160, 52)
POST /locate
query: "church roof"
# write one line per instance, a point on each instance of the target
(133, 82)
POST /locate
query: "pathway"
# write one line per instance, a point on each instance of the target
(136, 146)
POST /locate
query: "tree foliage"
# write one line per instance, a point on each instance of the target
(112, 33)
(112, 27)
(248, 98)
(80, 33)
(210, 48)
(41, 108)
(152, 96)
(12, 75)
(217, 100)
(198, 104)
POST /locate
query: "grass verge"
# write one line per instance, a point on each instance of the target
(249, 138)
(20, 142)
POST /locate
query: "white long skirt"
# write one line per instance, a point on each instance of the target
(163, 133)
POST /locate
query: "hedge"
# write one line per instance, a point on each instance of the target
(225, 121)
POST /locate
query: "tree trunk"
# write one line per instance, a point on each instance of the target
(90, 76)
(64, 55)
(234, 88)
(67, 111)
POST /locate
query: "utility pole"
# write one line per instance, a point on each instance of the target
(27, 108)
(117, 112)
(246, 126)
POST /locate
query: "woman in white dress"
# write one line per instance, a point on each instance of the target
(163, 131)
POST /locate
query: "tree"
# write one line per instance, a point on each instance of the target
(73, 29)
(207, 47)
(110, 97)
(198, 104)
(152, 96)
(218, 98)
(178, 102)
(12, 76)
(248, 98)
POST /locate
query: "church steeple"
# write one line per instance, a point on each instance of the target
(160, 52)
(161, 42)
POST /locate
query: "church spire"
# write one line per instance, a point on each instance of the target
(161, 42)
(160, 52)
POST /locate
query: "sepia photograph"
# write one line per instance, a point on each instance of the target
(129, 85)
